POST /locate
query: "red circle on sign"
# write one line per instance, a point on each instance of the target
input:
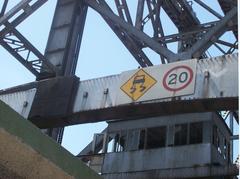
(165, 85)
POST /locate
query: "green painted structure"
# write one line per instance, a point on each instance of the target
(25, 152)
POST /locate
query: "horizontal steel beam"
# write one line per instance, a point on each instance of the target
(137, 111)
(95, 100)
(235, 137)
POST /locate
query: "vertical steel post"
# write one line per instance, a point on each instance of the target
(64, 41)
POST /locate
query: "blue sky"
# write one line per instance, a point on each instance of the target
(101, 54)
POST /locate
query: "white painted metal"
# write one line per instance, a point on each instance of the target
(21, 101)
(97, 93)
(215, 78)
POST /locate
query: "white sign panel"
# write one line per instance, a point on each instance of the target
(157, 82)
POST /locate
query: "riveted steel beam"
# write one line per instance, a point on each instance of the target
(20, 6)
(68, 24)
(15, 43)
(91, 105)
(212, 36)
(4, 7)
(139, 15)
(142, 37)
(209, 9)
(134, 47)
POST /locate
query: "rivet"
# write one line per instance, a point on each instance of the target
(206, 74)
(25, 104)
(105, 91)
(85, 94)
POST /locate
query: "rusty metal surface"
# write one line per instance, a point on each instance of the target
(203, 172)
(216, 78)
(216, 88)
(152, 159)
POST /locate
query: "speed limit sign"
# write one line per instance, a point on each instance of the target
(178, 78)
(158, 82)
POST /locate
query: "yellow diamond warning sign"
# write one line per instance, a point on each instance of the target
(138, 84)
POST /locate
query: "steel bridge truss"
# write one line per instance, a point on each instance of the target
(193, 38)
(17, 45)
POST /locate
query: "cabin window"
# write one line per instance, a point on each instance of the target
(180, 134)
(132, 140)
(120, 141)
(98, 143)
(156, 137)
(142, 139)
(196, 133)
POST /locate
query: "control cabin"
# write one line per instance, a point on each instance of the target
(187, 145)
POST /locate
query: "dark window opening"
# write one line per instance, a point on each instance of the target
(98, 144)
(180, 134)
(156, 137)
(196, 133)
(120, 142)
(132, 142)
(142, 139)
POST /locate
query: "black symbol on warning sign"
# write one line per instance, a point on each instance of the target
(139, 79)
